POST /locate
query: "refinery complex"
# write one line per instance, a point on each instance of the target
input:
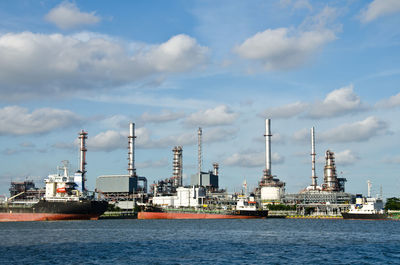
(129, 191)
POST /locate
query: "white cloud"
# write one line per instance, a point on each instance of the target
(220, 115)
(164, 116)
(379, 8)
(393, 101)
(15, 120)
(283, 49)
(111, 140)
(107, 141)
(250, 159)
(338, 102)
(356, 132)
(286, 111)
(346, 157)
(36, 65)
(67, 16)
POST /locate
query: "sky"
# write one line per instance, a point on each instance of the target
(173, 66)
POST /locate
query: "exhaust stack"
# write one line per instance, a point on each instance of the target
(131, 152)
(313, 175)
(82, 164)
(216, 168)
(199, 133)
(267, 135)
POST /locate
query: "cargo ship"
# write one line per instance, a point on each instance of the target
(245, 208)
(65, 197)
(62, 201)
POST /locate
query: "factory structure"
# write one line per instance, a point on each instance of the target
(330, 197)
(130, 190)
(124, 189)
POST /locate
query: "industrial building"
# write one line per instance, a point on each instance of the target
(115, 188)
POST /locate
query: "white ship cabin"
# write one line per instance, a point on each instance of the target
(245, 203)
(367, 205)
(61, 186)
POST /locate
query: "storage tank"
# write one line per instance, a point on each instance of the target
(272, 193)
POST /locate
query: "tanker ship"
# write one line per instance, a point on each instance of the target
(65, 197)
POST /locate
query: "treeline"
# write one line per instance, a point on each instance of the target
(392, 204)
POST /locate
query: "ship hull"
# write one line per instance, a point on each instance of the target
(201, 215)
(366, 216)
(52, 211)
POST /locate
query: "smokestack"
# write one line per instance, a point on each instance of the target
(267, 171)
(82, 164)
(199, 133)
(369, 188)
(216, 167)
(313, 175)
(177, 166)
(131, 153)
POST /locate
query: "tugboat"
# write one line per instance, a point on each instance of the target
(366, 208)
(65, 198)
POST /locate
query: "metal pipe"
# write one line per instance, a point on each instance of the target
(268, 147)
(313, 175)
(131, 152)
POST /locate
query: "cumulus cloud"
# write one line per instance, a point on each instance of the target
(164, 116)
(285, 48)
(111, 140)
(346, 158)
(107, 141)
(379, 8)
(286, 111)
(67, 16)
(393, 101)
(250, 159)
(356, 132)
(15, 120)
(338, 102)
(220, 115)
(34, 65)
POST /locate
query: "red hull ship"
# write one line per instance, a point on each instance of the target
(200, 215)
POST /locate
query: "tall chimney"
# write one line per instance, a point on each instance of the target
(199, 133)
(82, 164)
(313, 175)
(131, 153)
(267, 171)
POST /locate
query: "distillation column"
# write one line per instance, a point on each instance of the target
(177, 166)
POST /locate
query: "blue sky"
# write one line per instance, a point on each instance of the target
(172, 66)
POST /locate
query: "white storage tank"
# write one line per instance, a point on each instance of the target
(272, 193)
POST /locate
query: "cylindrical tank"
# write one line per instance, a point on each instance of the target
(271, 193)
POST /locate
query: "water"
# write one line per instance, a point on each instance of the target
(265, 241)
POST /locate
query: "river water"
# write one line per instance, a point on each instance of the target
(263, 241)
